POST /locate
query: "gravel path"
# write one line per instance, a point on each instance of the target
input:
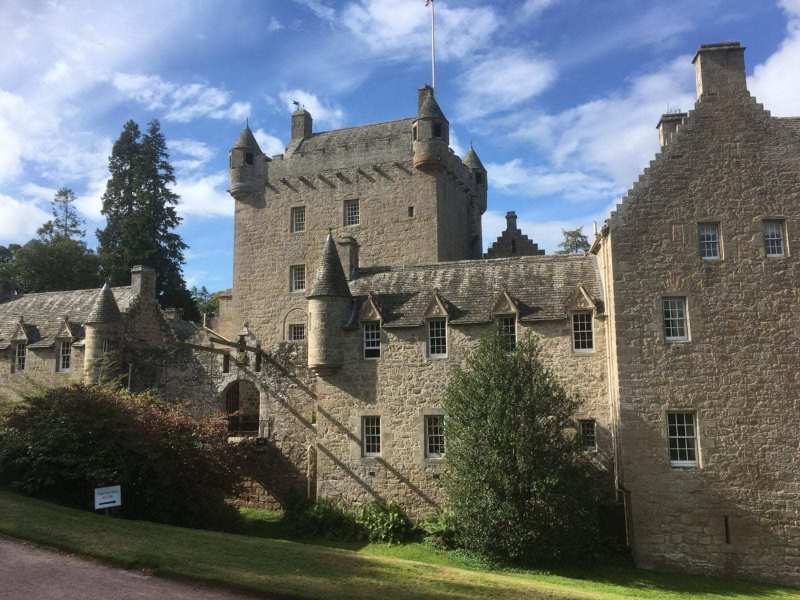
(29, 572)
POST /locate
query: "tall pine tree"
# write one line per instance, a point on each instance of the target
(139, 206)
(66, 223)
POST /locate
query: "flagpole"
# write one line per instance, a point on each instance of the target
(433, 44)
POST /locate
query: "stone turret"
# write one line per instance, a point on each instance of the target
(430, 133)
(302, 124)
(103, 328)
(329, 305)
(247, 168)
(474, 163)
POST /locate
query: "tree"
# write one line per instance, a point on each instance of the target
(574, 242)
(59, 263)
(139, 206)
(66, 223)
(206, 302)
(519, 487)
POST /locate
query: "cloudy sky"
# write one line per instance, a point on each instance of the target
(559, 97)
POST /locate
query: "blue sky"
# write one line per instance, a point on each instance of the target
(559, 97)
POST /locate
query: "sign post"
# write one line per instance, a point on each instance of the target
(107, 497)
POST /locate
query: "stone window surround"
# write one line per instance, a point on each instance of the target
(593, 318)
(62, 356)
(421, 440)
(698, 445)
(294, 278)
(428, 352)
(355, 437)
(351, 212)
(20, 360)
(499, 318)
(584, 434)
(364, 339)
(296, 332)
(296, 224)
(687, 304)
(784, 232)
(720, 239)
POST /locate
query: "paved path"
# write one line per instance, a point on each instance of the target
(31, 573)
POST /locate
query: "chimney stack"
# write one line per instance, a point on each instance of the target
(668, 127)
(143, 282)
(719, 69)
(348, 253)
(511, 220)
(302, 124)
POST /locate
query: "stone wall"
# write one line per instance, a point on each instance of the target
(41, 371)
(733, 164)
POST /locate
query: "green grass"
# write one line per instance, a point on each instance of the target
(261, 562)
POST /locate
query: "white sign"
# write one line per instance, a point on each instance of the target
(107, 497)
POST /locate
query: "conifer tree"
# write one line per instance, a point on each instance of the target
(66, 223)
(574, 242)
(139, 206)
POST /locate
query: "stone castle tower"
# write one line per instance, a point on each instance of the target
(393, 194)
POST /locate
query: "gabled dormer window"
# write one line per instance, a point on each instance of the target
(20, 356)
(507, 330)
(437, 338)
(372, 339)
(65, 356)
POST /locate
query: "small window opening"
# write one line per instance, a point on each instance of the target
(437, 130)
(414, 133)
(479, 178)
(513, 246)
(226, 363)
(248, 158)
(727, 529)
(411, 211)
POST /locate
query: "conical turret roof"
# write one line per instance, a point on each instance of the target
(247, 141)
(330, 279)
(104, 309)
(430, 108)
(472, 160)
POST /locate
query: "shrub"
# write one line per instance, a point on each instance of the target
(322, 519)
(385, 523)
(441, 530)
(519, 486)
(173, 468)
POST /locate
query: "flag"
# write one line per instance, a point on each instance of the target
(428, 2)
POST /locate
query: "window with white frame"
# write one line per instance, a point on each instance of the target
(434, 436)
(298, 219)
(708, 238)
(437, 338)
(372, 339)
(682, 436)
(371, 435)
(65, 356)
(352, 214)
(297, 332)
(20, 356)
(774, 243)
(582, 334)
(507, 329)
(297, 278)
(675, 326)
(588, 435)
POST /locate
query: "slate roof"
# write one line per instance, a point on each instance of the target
(472, 160)
(330, 279)
(247, 141)
(430, 108)
(332, 141)
(542, 286)
(44, 313)
(105, 309)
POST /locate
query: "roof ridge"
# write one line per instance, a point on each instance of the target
(93, 290)
(474, 261)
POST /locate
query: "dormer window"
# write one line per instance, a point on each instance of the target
(20, 354)
(507, 329)
(248, 158)
(65, 356)
(437, 338)
(437, 130)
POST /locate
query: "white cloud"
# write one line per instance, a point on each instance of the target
(38, 192)
(269, 144)
(401, 33)
(776, 82)
(614, 136)
(192, 154)
(573, 185)
(19, 220)
(322, 112)
(274, 25)
(534, 8)
(503, 80)
(320, 9)
(181, 102)
(456, 145)
(205, 196)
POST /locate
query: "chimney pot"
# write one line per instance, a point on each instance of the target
(719, 69)
(511, 220)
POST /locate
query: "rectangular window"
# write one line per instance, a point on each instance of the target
(298, 219)
(774, 237)
(682, 435)
(297, 278)
(507, 329)
(372, 339)
(297, 332)
(582, 336)
(708, 236)
(371, 436)
(434, 436)
(588, 436)
(65, 356)
(437, 130)
(108, 345)
(437, 338)
(20, 356)
(351, 212)
(411, 212)
(675, 329)
(226, 363)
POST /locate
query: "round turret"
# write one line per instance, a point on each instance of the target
(430, 132)
(479, 175)
(248, 167)
(103, 328)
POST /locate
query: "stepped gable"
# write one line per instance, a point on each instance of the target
(44, 313)
(541, 286)
(330, 279)
(512, 242)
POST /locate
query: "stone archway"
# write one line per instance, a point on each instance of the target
(241, 400)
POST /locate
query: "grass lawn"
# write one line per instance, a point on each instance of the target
(262, 563)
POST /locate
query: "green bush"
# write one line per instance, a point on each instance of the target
(173, 468)
(384, 523)
(519, 486)
(324, 519)
(441, 530)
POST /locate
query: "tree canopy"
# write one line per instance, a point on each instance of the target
(519, 486)
(574, 242)
(66, 222)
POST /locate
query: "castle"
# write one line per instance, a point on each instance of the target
(359, 283)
